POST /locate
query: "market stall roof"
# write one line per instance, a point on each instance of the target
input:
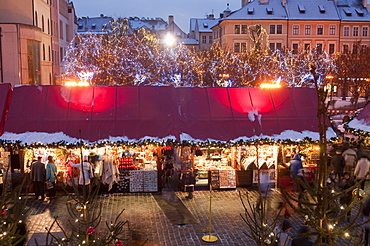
(362, 121)
(49, 114)
(5, 94)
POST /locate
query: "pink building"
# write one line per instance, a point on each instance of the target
(27, 40)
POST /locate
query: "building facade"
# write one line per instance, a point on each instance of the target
(29, 41)
(333, 26)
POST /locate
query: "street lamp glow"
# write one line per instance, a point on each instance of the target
(169, 40)
(270, 86)
(74, 83)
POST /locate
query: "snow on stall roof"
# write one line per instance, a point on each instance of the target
(359, 125)
(49, 138)
(285, 135)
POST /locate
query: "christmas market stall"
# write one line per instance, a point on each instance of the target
(360, 126)
(141, 138)
(5, 95)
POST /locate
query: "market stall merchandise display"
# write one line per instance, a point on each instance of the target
(226, 131)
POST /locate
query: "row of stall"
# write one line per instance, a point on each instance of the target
(139, 138)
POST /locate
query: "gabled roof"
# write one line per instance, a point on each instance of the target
(205, 25)
(181, 113)
(147, 23)
(256, 11)
(94, 24)
(312, 10)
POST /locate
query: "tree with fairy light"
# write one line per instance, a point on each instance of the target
(117, 56)
(85, 216)
(319, 206)
(318, 203)
(13, 205)
(353, 72)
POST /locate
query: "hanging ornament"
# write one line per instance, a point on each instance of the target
(119, 243)
(90, 230)
(359, 193)
(79, 207)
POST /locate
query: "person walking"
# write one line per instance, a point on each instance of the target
(350, 157)
(338, 163)
(346, 182)
(38, 176)
(51, 175)
(362, 169)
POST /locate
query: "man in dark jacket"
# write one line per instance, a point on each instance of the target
(345, 183)
(338, 163)
(38, 176)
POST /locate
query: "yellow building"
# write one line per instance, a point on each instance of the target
(332, 26)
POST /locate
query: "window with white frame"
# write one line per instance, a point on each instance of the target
(365, 31)
(237, 47)
(295, 30)
(320, 30)
(243, 47)
(204, 39)
(307, 30)
(331, 48)
(272, 29)
(332, 30)
(346, 31)
(279, 29)
(244, 29)
(237, 29)
(355, 31)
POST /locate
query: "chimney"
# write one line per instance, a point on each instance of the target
(264, 1)
(244, 2)
(283, 2)
(170, 19)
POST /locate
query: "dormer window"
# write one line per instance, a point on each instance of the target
(301, 8)
(269, 11)
(250, 10)
(322, 8)
(360, 12)
(347, 12)
(80, 26)
(93, 26)
(205, 25)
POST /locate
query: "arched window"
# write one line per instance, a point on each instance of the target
(48, 26)
(49, 53)
(36, 19)
(42, 24)
(43, 52)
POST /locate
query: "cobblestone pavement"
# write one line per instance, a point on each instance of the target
(149, 222)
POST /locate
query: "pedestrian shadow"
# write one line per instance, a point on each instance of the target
(176, 212)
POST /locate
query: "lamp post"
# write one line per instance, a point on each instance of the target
(330, 79)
